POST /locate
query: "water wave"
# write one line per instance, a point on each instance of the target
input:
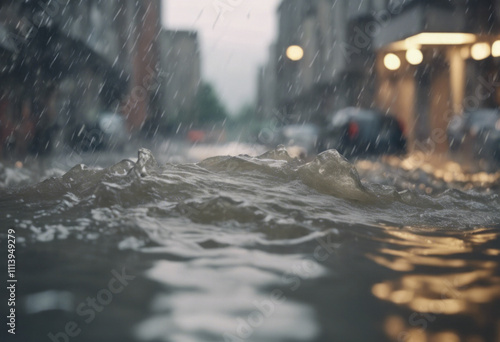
(272, 194)
(264, 248)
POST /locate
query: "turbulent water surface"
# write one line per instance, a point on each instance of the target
(244, 248)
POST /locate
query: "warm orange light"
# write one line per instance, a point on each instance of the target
(295, 53)
(392, 62)
(381, 290)
(433, 38)
(480, 51)
(441, 38)
(495, 49)
(414, 56)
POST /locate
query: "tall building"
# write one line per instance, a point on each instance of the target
(79, 58)
(266, 87)
(143, 102)
(420, 60)
(180, 76)
(442, 64)
(310, 62)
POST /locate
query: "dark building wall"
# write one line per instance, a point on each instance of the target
(143, 100)
(334, 69)
(79, 58)
(448, 80)
(292, 15)
(266, 87)
(180, 76)
(350, 40)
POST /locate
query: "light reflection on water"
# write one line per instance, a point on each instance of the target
(440, 276)
(257, 249)
(225, 296)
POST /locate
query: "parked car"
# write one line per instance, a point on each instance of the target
(476, 134)
(108, 132)
(303, 138)
(357, 131)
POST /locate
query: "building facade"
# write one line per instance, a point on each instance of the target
(180, 77)
(420, 60)
(445, 64)
(266, 87)
(65, 61)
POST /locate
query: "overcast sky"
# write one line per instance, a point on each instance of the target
(232, 46)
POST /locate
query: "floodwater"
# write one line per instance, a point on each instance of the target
(265, 248)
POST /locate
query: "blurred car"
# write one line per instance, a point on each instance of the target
(301, 138)
(214, 136)
(108, 132)
(476, 134)
(357, 131)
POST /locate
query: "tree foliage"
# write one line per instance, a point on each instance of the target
(209, 107)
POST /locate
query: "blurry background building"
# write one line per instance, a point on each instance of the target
(447, 64)
(68, 61)
(421, 60)
(180, 77)
(125, 34)
(266, 92)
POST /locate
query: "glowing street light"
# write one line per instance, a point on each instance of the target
(414, 56)
(392, 62)
(434, 38)
(295, 53)
(440, 38)
(480, 51)
(495, 49)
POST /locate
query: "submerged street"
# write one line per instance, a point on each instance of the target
(250, 171)
(264, 248)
